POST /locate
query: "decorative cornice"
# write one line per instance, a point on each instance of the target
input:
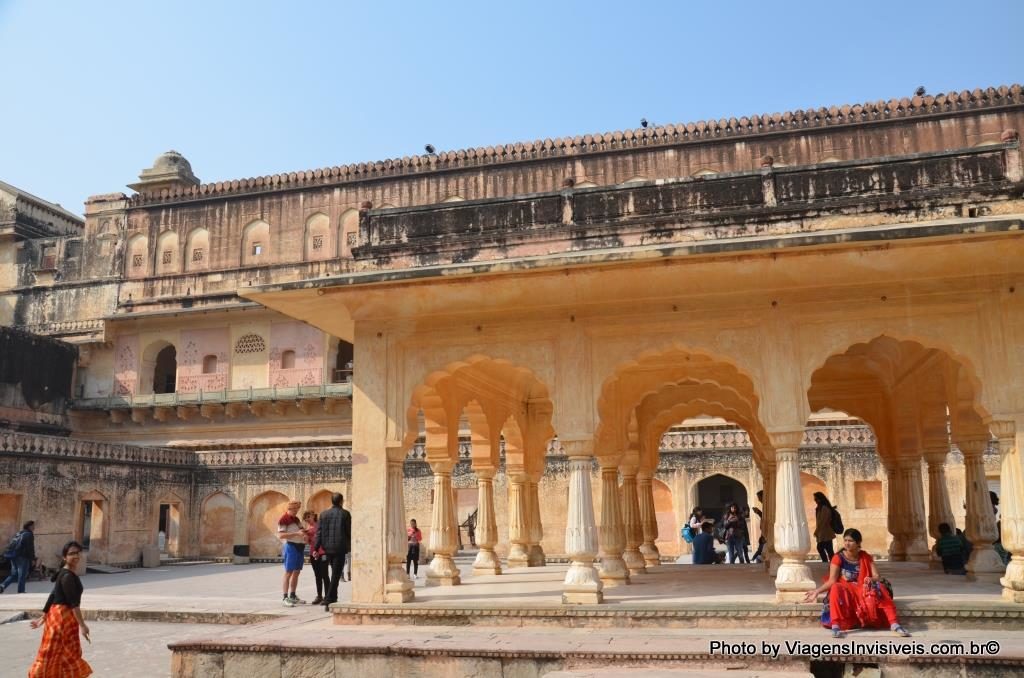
(641, 138)
(36, 445)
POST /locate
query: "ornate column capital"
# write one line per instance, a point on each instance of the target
(786, 441)
(972, 447)
(441, 466)
(1004, 430)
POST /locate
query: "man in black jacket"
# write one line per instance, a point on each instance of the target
(22, 558)
(335, 537)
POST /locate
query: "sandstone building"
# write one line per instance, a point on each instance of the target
(822, 299)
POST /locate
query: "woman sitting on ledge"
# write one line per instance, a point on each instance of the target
(856, 596)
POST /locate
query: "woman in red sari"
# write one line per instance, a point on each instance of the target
(60, 652)
(856, 599)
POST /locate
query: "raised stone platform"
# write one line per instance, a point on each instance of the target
(682, 596)
(318, 648)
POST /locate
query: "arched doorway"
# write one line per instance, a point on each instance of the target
(165, 371)
(319, 502)
(217, 525)
(264, 512)
(716, 492)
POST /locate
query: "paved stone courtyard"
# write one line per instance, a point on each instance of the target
(190, 594)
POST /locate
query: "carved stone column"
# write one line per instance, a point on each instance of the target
(536, 557)
(631, 520)
(486, 561)
(792, 539)
(648, 520)
(613, 533)
(518, 521)
(1011, 504)
(939, 509)
(582, 584)
(398, 588)
(443, 526)
(772, 559)
(916, 535)
(895, 517)
(981, 519)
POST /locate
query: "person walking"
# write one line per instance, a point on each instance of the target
(335, 538)
(21, 554)
(289, 531)
(412, 557)
(316, 557)
(761, 541)
(823, 532)
(693, 525)
(60, 651)
(734, 531)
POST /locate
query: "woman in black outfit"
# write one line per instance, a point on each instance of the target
(60, 652)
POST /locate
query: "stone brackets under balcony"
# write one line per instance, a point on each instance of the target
(232, 404)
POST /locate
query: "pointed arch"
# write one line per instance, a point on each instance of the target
(168, 258)
(256, 245)
(197, 249)
(319, 244)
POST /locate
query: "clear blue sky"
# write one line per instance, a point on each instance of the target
(94, 91)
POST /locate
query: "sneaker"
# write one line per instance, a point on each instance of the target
(287, 602)
(297, 600)
(317, 601)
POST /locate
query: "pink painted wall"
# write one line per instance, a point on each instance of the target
(126, 364)
(308, 344)
(196, 345)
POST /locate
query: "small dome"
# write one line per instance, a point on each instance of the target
(171, 161)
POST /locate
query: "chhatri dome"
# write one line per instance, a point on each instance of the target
(169, 170)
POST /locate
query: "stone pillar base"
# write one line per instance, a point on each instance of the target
(613, 572)
(635, 562)
(985, 560)
(486, 570)
(518, 556)
(486, 562)
(582, 597)
(398, 596)
(452, 580)
(536, 557)
(1013, 582)
(792, 582)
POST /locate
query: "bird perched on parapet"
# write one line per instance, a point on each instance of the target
(920, 91)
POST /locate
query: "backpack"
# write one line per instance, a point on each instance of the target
(837, 521)
(13, 546)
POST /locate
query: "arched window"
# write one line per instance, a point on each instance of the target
(165, 372)
(349, 229)
(135, 260)
(256, 243)
(197, 249)
(318, 238)
(288, 360)
(167, 252)
(210, 364)
(250, 343)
